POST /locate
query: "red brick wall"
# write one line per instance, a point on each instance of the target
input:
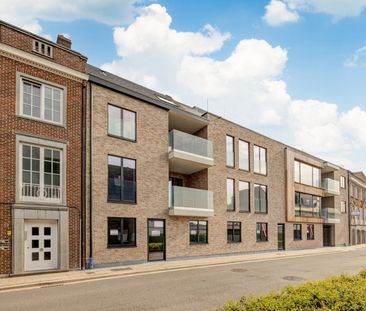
(10, 124)
(24, 42)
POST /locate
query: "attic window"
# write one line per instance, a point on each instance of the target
(166, 100)
(42, 48)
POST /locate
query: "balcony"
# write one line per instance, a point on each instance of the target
(188, 153)
(331, 187)
(41, 193)
(331, 215)
(185, 201)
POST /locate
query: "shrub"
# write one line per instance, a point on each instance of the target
(342, 293)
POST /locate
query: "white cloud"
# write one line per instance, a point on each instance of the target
(27, 14)
(357, 59)
(245, 87)
(278, 13)
(336, 8)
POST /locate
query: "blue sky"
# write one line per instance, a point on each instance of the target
(307, 67)
(318, 46)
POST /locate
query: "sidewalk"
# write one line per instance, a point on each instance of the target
(60, 278)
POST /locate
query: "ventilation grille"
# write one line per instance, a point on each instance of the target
(42, 48)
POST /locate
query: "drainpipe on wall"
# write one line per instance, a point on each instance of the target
(83, 180)
(91, 264)
(349, 207)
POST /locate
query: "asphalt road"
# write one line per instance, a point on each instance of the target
(194, 289)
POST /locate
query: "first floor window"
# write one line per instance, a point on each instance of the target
(41, 101)
(230, 193)
(310, 232)
(40, 172)
(121, 232)
(244, 198)
(233, 231)
(343, 207)
(121, 179)
(262, 231)
(260, 198)
(307, 205)
(198, 232)
(297, 232)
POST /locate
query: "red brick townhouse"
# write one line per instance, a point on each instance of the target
(42, 84)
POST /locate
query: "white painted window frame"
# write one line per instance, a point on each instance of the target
(43, 144)
(26, 78)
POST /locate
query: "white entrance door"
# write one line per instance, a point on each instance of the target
(40, 245)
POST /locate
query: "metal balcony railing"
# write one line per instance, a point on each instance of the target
(40, 192)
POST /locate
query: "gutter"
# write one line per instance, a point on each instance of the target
(349, 207)
(91, 264)
(83, 179)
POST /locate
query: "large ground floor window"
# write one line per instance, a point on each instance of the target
(233, 231)
(198, 232)
(297, 232)
(310, 232)
(262, 231)
(121, 232)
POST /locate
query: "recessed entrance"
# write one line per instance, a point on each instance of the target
(156, 239)
(328, 235)
(40, 242)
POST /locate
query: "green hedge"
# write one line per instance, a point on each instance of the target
(345, 292)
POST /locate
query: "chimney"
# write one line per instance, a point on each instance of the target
(62, 40)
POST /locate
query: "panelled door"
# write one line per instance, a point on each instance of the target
(41, 249)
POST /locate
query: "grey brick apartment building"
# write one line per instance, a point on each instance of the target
(170, 181)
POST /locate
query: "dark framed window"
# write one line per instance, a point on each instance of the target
(121, 232)
(243, 155)
(307, 174)
(260, 160)
(297, 232)
(121, 122)
(230, 193)
(230, 151)
(198, 232)
(244, 196)
(260, 198)
(307, 205)
(233, 232)
(262, 231)
(343, 182)
(121, 179)
(310, 232)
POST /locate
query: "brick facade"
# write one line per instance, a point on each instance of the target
(357, 208)
(12, 124)
(153, 169)
(151, 154)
